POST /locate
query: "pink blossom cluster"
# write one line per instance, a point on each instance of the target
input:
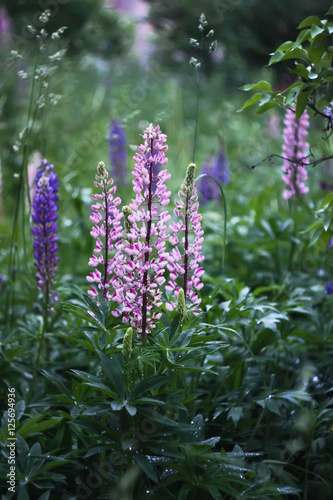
(295, 151)
(106, 230)
(141, 258)
(135, 276)
(186, 256)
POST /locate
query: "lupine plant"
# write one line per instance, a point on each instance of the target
(44, 230)
(134, 275)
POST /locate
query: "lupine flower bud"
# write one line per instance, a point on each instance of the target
(127, 211)
(128, 343)
(181, 305)
(295, 151)
(44, 216)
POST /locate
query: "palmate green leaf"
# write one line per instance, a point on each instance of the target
(216, 495)
(146, 466)
(149, 384)
(159, 418)
(295, 397)
(58, 383)
(33, 425)
(54, 463)
(97, 450)
(270, 320)
(19, 409)
(100, 311)
(80, 312)
(235, 413)
(95, 382)
(114, 371)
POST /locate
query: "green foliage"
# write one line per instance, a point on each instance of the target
(311, 56)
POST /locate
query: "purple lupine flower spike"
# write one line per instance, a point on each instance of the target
(117, 142)
(106, 230)
(329, 288)
(184, 264)
(218, 168)
(141, 259)
(44, 216)
(295, 152)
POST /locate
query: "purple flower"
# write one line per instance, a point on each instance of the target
(141, 260)
(329, 288)
(218, 168)
(117, 143)
(106, 230)
(184, 264)
(44, 230)
(4, 27)
(295, 151)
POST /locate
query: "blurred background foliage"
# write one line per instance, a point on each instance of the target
(130, 61)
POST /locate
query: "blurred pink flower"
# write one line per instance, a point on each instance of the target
(4, 27)
(295, 152)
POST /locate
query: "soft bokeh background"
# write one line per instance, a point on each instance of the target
(129, 61)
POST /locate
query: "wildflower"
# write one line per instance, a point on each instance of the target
(295, 150)
(181, 304)
(44, 216)
(117, 143)
(106, 230)
(4, 27)
(184, 265)
(141, 258)
(329, 288)
(218, 168)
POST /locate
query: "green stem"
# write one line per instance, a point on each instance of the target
(45, 325)
(10, 299)
(198, 100)
(307, 463)
(293, 209)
